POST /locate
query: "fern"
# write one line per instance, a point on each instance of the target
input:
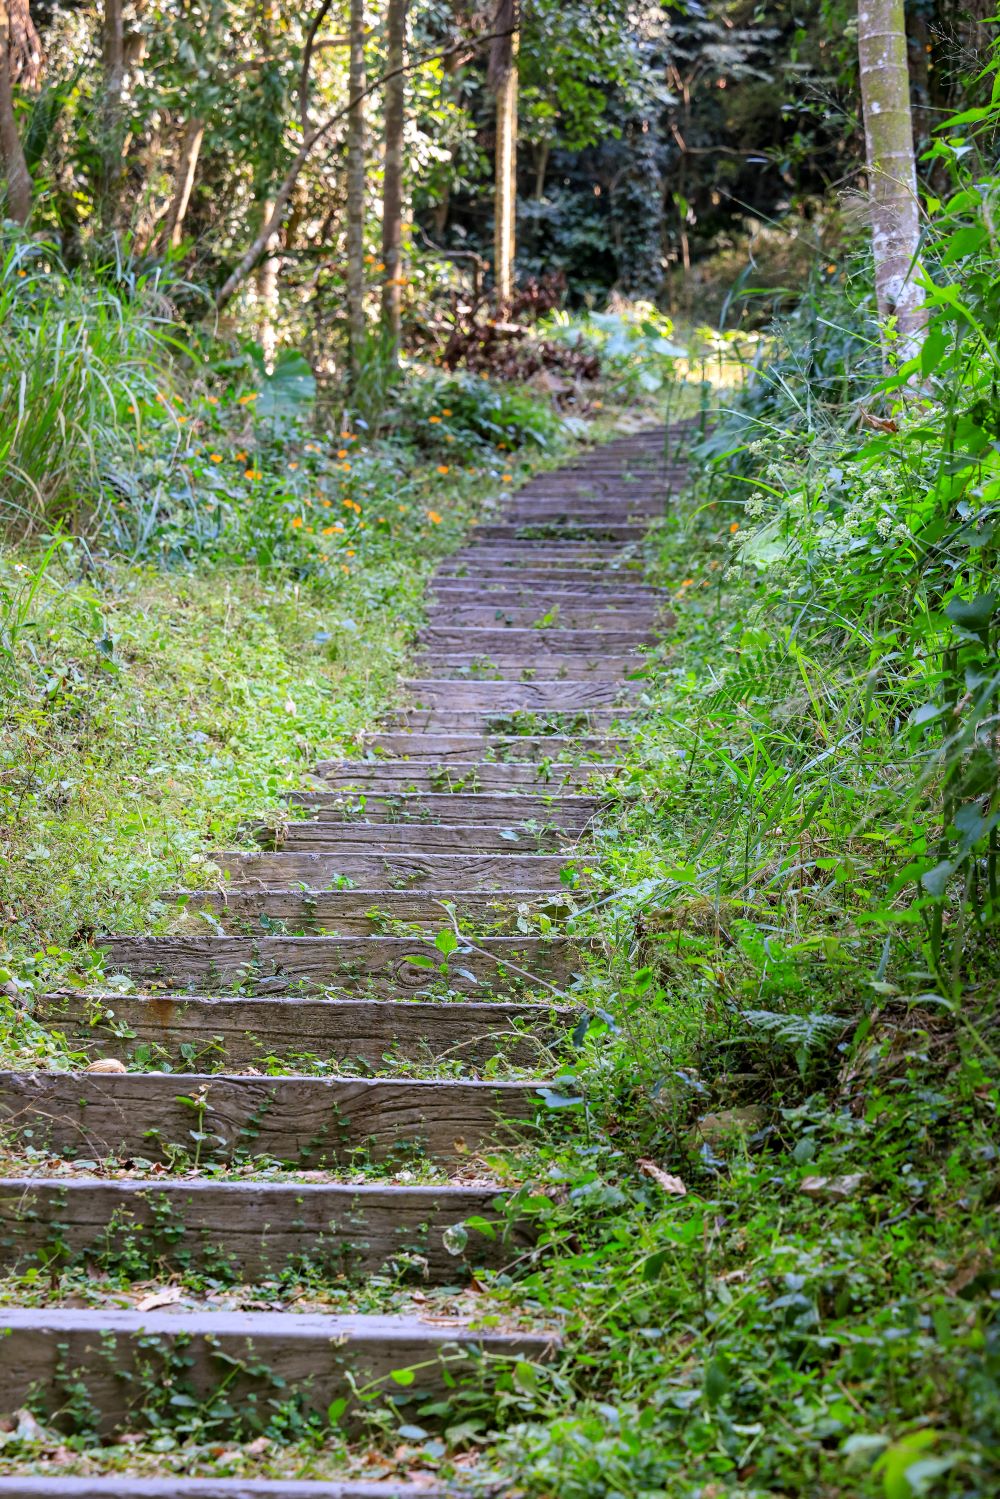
(803, 1033)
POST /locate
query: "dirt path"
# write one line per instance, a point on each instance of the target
(473, 799)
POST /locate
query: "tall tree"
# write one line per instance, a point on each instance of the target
(892, 174)
(503, 80)
(20, 59)
(355, 236)
(187, 165)
(111, 110)
(392, 182)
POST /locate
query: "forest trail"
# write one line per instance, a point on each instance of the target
(475, 798)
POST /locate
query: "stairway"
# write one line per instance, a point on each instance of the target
(319, 1060)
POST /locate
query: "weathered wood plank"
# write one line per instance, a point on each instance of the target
(102, 1486)
(417, 837)
(509, 808)
(510, 574)
(440, 872)
(503, 665)
(253, 1356)
(582, 531)
(371, 964)
(462, 776)
(418, 744)
(302, 1121)
(518, 590)
(514, 721)
(485, 697)
(367, 912)
(483, 640)
(590, 619)
(257, 1228)
(244, 1032)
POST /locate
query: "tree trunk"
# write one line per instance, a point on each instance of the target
(15, 167)
(187, 166)
(355, 239)
(503, 79)
(541, 167)
(267, 292)
(392, 186)
(110, 120)
(892, 175)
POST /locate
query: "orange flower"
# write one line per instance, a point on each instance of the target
(344, 568)
(342, 453)
(506, 478)
(598, 405)
(327, 504)
(433, 517)
(442, 468)
(330, 530)
(240, 457)
(347, 436)
(349, 552)
(245, 400)
(734, 527)
(433, 419)
(296, 522)
(215, 457)
(212, 400)
(293, 467)
(445, 411)
(251, 473)
(346, 467)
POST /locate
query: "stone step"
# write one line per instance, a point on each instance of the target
(416, 838)
(256, 1228)
(506, 809)
(504, 750)
(130, 1368)
(195, 1032)
(301, 1121)
(616, 505)
(375, 965)
(457, 777)
(369, 912)
(507, 873)
(494, 697)
(502, 575)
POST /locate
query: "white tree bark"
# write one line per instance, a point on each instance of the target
(355, 237)
(892, 175)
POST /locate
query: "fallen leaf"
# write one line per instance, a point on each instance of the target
(670, 1184)
(831, 1188)
(106, 1064)
(159, 1298)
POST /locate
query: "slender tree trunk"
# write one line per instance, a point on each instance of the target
(392, 186)
(110, 118)
(504, 81)
(187, 167)
(892, 175)
(541, 167)
(355, 239)
(15, 168)
(267, 292)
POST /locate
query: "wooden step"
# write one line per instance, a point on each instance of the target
(198, 1032)
(511, 721)
(440, 872)
(512, 574)
(319, 1122)
(376, 965)
(510, 808)
(484, 639)
(368, 912)
(446, 587)
(256, 1228)
(550, 665)
(419, 838)
(494, 697)
(544, 618)
(103, 1486)
(125, 1365)
(458, 776)
(581, 531)
(437, 748)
